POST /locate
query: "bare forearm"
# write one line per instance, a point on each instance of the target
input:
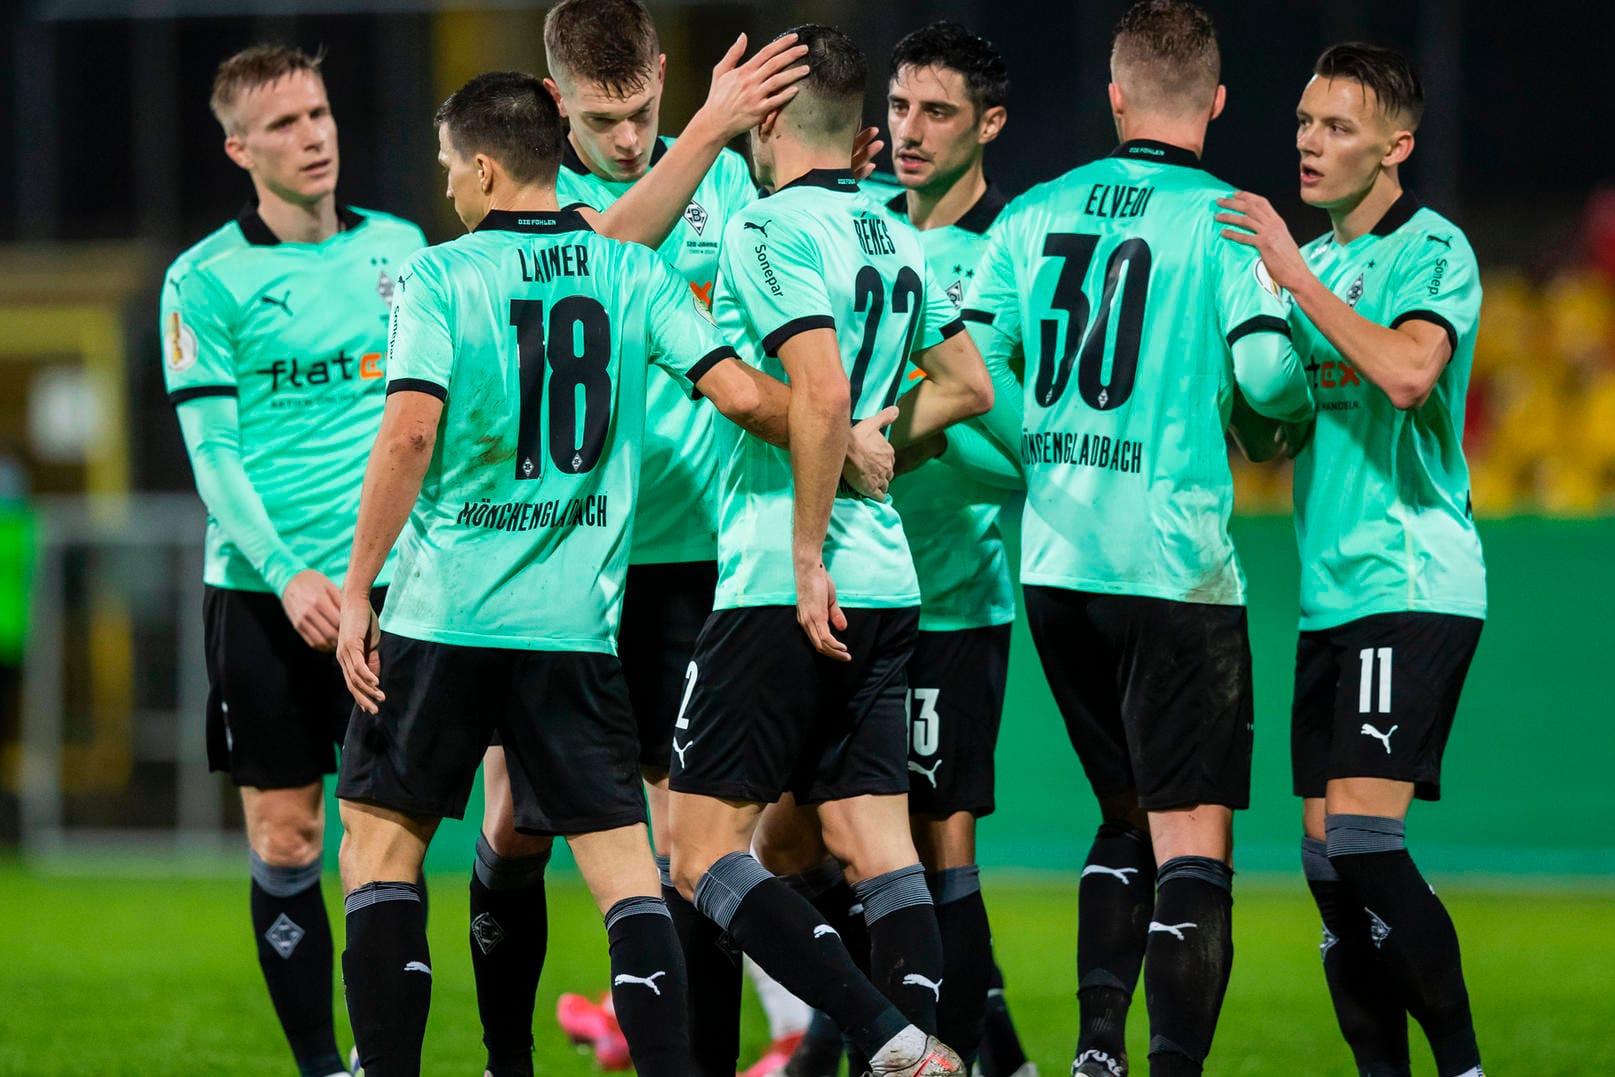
(392, 482)
(1404, 368)
(818, 449)
(929, 409)
(648, 210)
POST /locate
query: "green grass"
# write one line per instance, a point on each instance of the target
(156, 977)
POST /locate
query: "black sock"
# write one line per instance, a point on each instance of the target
(826, 888)
(1186, 965)
(819, 1053)
(387, 968)
(1001, 1050)
(712, 969)
(1115, 899)
(294, 950)
(787, 937)
(1412, 932)
(509, 938)
(967, 958)
(1370, 1013)
(648, 988)
(905, 945)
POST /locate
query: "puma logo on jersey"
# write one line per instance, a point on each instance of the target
(1384, 738)
(284, 302)
(1445, 241)
(825, 929)
(914, 979)
(930, 775)
(418, 966)
(643, 981)
(1120, 873)
(681, 749)
(763, 228)
(1175, 930)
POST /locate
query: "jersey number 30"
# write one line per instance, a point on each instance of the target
(578, 355)
(1085, 340)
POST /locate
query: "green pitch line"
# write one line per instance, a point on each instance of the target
(151, 977)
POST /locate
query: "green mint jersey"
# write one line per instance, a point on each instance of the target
(296, 332)
(1115, 283)
(820, 254)
(951, 519)
(677, 512)
(538, 334)
(1382, 509)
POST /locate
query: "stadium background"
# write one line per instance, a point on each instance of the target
(116, 166)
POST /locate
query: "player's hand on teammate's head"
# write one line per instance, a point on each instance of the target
(743, 93)
(818, 613)
(1252, 220)
(312, 605)
(870, 459)
(864, 150)
(356, 651)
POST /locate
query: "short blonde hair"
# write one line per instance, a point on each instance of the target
(258, 65)
(1165, 53)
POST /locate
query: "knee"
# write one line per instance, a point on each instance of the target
(788, 850)
(288, 841)
(509, 843)
(687, 866)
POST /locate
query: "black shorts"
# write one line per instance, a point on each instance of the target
(955, 704)
(1156, 694)
(765, 714)
(563, 717)
(663, 610)
(1375, 698)
(276, 708)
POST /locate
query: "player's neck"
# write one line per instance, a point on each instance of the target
(528, 198)
(942, 207)
(1185, 134)
(295, 222)
(1351, 220)
(793, 160)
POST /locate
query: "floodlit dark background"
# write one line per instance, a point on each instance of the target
(115, 165)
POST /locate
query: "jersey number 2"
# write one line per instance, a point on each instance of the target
(1085, 344)
(578, 356)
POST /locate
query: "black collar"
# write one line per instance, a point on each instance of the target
(978, 218)
(1400, 212)
(1161, 153)
(259, 234)
(831, 179)
(571, 160)
(542, 222)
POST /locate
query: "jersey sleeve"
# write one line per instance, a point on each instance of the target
(775, 277)
(198, 341)
(1247, 299)
(942, 319)
(1439, 283)
(420, 347)
(992, 314)
(681, 336)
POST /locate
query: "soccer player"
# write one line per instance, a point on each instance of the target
(946, 102)
(274, 329)
(1137, 323)
(798, 676)
(1393, 585)
(510, 447)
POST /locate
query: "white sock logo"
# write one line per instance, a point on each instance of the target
(1328, 943)
(1175, 930)
(825, 929)
(643, 981)
(418, 966)
(1378, 929)
(914, 979)
(1120, 873)
(1384, 738)
(930, 775)
(681, 749)
(1112, 1067)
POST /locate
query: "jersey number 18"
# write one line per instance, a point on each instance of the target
(578, 354)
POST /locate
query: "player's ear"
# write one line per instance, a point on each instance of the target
(766, 128)
(485, 169)
(1401, 147)
(1118, 100)
(992, 121)
(661, 70)
(555, 92)
(1218, 101)
(236, 150)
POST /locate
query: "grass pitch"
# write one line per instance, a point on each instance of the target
(156, 977)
